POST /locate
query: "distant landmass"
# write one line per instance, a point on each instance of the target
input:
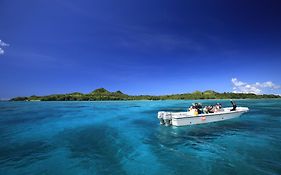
(102, 94)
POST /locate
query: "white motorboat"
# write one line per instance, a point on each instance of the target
(191, 118)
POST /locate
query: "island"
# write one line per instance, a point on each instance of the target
(101, 94)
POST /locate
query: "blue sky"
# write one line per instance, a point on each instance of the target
(139, 46)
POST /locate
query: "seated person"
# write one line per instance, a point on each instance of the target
(210, 109)
(190, 108)
(218, 107)
(205, 110)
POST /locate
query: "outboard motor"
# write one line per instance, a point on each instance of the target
(160, 117)
(167, 118)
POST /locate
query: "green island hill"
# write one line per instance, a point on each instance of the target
(102, 94)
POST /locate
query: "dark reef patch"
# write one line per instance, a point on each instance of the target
(99, 148)
(22, 154)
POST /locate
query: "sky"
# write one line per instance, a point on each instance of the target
(139, 46)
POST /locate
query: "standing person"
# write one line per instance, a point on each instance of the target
(233, 106)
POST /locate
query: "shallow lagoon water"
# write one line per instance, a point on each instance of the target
(124, 137)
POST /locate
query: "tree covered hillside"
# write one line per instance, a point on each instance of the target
(103, 94)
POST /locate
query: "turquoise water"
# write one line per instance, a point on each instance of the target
(126, 138)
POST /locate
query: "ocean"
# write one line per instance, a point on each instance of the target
(124, 137)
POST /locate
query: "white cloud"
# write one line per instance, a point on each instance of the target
(256, 88)
(268, 84)
(1, 51)
(2, 44)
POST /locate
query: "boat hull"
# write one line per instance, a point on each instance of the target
(185, 118)
(202, 119)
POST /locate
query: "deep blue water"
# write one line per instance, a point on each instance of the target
(126, 138)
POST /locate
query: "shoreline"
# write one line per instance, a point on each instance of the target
(102, 94)
(139, 100)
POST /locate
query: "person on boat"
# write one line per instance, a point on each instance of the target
(210, 109)
(191, 108)
(198, 106)
(195, 108)
(218, 107)
(233, 106)
(205, 110)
